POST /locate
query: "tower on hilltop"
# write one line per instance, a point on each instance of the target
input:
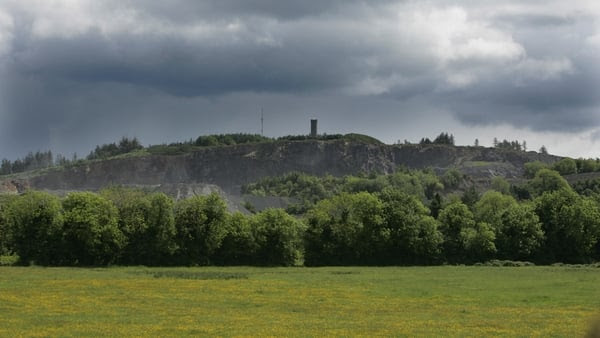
(313, 128)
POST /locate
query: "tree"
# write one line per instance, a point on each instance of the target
(436, 205)
(453, 218)
(547, 180)
(586, 165)
(345, 229)
(5, 235)
(571, 225)
(543, 150)
(200, 223)
(91, 230)
(278, 238)
(444, 138)
(470, 196)
(521, 234)
(5, 167)
(524, 145)
(491, 206)
(531, 168)
(452, 178)
(414, 237)
(477, 242)
(148, 223)
(161, 231)
(566, 166)
(238, 246)
(500, 185)
(476, 142)
(35, 220)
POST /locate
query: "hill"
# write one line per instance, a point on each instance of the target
(226, 168)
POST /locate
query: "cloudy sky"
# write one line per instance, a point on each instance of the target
(78, 73)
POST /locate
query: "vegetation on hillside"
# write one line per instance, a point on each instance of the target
(400, 219)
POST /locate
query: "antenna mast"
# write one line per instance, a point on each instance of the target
(262, 120)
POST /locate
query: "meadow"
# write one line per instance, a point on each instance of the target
(340, 301)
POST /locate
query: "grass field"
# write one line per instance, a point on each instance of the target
(419, 301)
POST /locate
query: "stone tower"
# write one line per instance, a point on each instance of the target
(313, 128)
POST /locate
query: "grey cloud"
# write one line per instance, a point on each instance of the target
(355, 52)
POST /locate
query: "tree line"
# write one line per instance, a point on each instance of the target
(131, 227)
(382, 225)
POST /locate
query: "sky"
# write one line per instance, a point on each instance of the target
(77, 73)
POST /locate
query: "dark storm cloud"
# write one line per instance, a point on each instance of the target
(73, 66)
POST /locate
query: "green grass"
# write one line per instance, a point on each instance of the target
(419, 301)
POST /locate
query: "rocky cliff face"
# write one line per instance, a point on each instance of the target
(228, 168)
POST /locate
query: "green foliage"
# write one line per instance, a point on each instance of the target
(531, 168)
(443, 138)
(436, 205)
(589, 187)
(571, 224)
(125, 145)
(200, 223)
(452, 178)
(4, 229)
(587, 165)
(278, 238)
(478, 242)
(566, 166)
(352, 137)
(500, 185)
(229, 139)
(509, 145)
(464, 239)
(308, 189)
(470, 197)
(453, 218)
(521, 234)
(147, 221)
(35, 220)
(345, 229)
(39, 160)
(238, 247)
(491, 206)
(414, 237)
(547, 180)
(91, 230)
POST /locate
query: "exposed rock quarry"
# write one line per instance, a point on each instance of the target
(225, 169)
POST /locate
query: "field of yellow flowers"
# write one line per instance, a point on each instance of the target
(413, 301)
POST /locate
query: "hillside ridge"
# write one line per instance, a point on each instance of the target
(230, 167)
